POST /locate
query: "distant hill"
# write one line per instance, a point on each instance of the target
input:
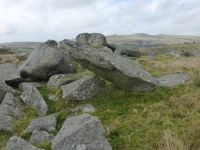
(14, 45)
(145, 40)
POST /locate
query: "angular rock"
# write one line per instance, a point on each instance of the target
(10, 111)
(8, 72)
(45, 62)
(17, 143)
(38, 137)
(173, 79)
(93, 39)
(47, 123)
(83, 132)
(58, 80)
(31, 96)
(84, 88)
(124, 73)
(67, 44)
(51, 43)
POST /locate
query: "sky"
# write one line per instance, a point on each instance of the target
(40, 20)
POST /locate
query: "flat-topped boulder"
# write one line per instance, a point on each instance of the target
(44, 62)
(124, 73)
(83, 132)
(84, 88)
(58, 80)
(173, 79)
(93, 39)
(47, 123)
(17, 143)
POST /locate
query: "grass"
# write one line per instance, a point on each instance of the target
(164, 119)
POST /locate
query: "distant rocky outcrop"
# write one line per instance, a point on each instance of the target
(44, 62)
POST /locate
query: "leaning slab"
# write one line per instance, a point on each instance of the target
(47, 123)
(84, 88)
(173, 79)
(124, 73)
(83, 132)
(17, 143)
(31, 96)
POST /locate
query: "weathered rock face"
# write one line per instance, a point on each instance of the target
(45, 62)
(93, 39)
(47, 123)
(58, 80)
(173, 79)
(17, 143)
(83, 132)
(8, 72)
(38, 137)
(2, 91)
(51, 43)
(67, 44)
(31, 96)
(124, 73)
(10, 111)
(84, 88)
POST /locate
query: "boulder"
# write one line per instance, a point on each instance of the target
(83, 132)
(38, 137)
(47, 123)
(8, 72)
(45, 62)
(124, 73)
(173, 79)
(17, 143)
(93, 39)
(10, 111)
(2, 91)
(67, 44)
(84, 88)
(58, 80)
(31, 96)
(51, 43)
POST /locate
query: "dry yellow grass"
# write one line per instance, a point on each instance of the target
(169, 141)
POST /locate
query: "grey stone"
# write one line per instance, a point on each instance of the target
(31, 96)
(124, 73)
(17, 143)
(45, 62)
(8, 72)
(47, 123)
(38, 137)
(83, 132)
(84, 88)
(58, 80)
(67, 44)
(10, 111)
(93, 39)
(2, 91)
(51, 43)
(173, 79)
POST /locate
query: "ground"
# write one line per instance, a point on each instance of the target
(163, 119)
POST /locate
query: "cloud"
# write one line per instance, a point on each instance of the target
(39, 20)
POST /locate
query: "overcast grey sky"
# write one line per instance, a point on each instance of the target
(39, 20)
